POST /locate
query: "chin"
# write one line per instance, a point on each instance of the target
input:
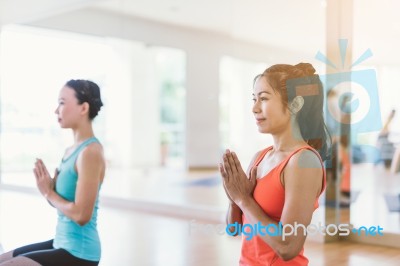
(263, 130)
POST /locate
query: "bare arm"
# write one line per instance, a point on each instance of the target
(90, 168)
(54, 179)
(303, 183)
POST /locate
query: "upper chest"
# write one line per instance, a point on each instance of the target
(270, 161)
(69, 152)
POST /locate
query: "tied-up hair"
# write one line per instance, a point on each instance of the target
(87, 91)
(300, 80)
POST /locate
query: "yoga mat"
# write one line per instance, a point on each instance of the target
(393, 202)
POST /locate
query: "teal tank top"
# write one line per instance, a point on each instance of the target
(81, 241)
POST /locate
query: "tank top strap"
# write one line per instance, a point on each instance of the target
(85, 143)
(81, 146)
(283, 164)
(261, 156)
(286, 160)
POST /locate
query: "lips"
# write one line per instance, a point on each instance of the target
(260, 120)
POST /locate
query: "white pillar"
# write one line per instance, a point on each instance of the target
(133, 98)
(1, 247)
(145, 111)
(202, 109)
(339, 26)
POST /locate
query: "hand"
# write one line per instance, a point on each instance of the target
(221, 169)
(44, 181)
(237, 185)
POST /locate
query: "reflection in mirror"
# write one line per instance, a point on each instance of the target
(338, 195)
(376, 177)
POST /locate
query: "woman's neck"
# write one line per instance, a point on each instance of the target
(287, 144)
(83, 133)
(289, 139)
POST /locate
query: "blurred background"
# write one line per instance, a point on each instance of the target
(176, 81)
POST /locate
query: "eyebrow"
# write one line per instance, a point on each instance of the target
(261, 92)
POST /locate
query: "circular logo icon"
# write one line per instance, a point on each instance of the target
(352, 103)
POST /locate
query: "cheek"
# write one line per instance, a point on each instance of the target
(275, 111)
(270, 108)
(64, 111)
(61, 110)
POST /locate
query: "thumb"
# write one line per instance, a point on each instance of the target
(253, 174)
(56, 173)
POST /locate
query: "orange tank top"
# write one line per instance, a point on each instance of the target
(269, 193)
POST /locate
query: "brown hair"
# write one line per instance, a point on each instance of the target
(300, 80)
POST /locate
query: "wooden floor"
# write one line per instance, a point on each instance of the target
(346, 253)
(138, 238)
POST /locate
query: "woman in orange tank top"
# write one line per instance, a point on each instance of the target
(283, 183)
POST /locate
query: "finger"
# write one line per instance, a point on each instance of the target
(253, 174)
(43, 168)
(35, 173)
(227, 166)
(222, 171)
(237, 162)
(56, 172)
(232, 163)
(38, 167)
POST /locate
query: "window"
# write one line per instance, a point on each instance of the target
(237, 127)
(142, 89)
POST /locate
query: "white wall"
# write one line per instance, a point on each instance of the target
(203, 52)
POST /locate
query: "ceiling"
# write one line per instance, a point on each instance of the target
(289, 24)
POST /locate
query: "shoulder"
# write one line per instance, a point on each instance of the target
(91, 161)
(92, 153)
(305, 158)
(304, 170)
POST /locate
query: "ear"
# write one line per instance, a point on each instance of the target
(296, 104)
(85, 108)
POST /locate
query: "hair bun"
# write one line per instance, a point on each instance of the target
(306, 68)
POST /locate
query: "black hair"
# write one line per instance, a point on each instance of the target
(89, 92)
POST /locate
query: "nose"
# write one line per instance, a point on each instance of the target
(256, 107)
(56, 111)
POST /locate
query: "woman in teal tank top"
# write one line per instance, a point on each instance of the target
(74, 189)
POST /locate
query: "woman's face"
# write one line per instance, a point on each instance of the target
(270, 114)
(69, 111)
